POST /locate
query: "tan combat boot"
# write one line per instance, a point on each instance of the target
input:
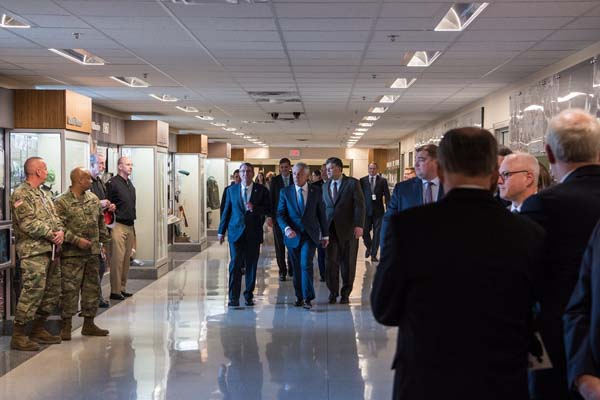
(65, 330)
(90, 329)
(20, 341)
(40, 335)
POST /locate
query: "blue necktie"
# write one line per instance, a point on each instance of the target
(301, 201)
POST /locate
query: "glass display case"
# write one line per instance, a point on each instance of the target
(61, 149)
(189, 202)
(149, 177)
(217, 179)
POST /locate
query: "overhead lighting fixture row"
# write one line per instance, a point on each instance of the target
(164, 98)
(402, 83)
(371, 118)
(378, 110)
(388, 99)
(218, 124)
(80, 56)
(460, 16)
(421, 58)
(205, 117)
(187, 109)
(11, 22)
(131, 81)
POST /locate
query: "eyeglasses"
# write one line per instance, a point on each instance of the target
(507, 174)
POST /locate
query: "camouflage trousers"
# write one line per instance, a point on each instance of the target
(80, 274)
(40, 292)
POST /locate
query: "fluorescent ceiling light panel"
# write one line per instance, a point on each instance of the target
(238, 133)
(80, 56)
(358, 133)
(361, 129)
(422, 58)
(130, 81)
(460, 16)
(388, 99)
(189, 109)
(230, 129)
(246, 137)
(252, 140)
(378, 110)
(10, 22)
(366, 124)
(217, 124)
(205, 117)
(534, 107)
(402, 83)
(164, 97)
(371, 118)
(570, 96)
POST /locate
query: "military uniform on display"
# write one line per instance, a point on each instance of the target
(34, 221)
(83, 219)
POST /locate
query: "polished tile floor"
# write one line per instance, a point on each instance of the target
(176, 339)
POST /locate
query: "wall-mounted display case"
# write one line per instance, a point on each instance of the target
(61, 149)
(149, 177)
(189, 202)
(217, 179)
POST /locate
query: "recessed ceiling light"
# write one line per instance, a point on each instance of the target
(421, 58)
(205, 117)
(130, 81)
(402, 83)
(366, 124)
(246, 137)
(10, 22)
(230, 129)
(358, 133)
(378, 110)
(460, 16)
(218, 124)
(164, 97)
(252, 140)
(80, 56)
(371, 118)
(189, 109)
(388, 98)
(361, 129)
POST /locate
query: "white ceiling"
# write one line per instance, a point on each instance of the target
(336, 54)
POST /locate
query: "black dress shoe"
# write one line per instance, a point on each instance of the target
(116, 296)
(374, 259)
(126, 294)
(282, 278)
(307, 305)
(103, 304)
(332, 300)
(249, 303)
(344, 300)
(233, 304)
(298, 303)
(367, 253)
(322, 279)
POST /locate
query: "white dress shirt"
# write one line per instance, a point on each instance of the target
(248, 192)
(339, 186)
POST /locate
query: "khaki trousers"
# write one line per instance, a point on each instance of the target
(123, 237)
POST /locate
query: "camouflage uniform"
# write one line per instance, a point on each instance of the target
(82, 218)
(34, 221)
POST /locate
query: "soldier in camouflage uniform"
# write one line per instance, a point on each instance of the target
(39, 234)
(81, 214)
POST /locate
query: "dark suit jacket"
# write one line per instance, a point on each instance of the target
(582, 319)
(374, 208)
(312, 222)
(461, 303)
(236, 221)
(409, 194)
(568, 212)
(348, 210)
(274, 192)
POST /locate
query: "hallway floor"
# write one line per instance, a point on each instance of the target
(176, 339)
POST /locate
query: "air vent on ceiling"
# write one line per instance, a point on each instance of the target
(275, 97)
(287, 116)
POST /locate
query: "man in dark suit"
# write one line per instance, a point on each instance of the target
(568, 212)
(582, 325)
(301, 217)
(284, 179)
(375, 190)
(345, 208)
(425, 188)
(246, 205)
(462, 307)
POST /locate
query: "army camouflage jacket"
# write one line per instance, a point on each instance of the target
(82, 218)
(34, 220)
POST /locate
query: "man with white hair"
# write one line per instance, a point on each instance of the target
(518, 179)
(568, 212)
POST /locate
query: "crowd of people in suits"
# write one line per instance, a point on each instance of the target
(487, 267)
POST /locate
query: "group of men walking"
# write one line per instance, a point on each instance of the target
(61, 247)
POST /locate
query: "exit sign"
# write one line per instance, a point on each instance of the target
(295, 153)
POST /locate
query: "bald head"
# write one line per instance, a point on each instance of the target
(81, 180)
(36, 171)
(518, 178)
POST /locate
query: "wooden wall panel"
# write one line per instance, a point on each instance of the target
(219, 150)
(147, 133)
(78, 108)
(237, 154)
(40, 109)
(196, 144)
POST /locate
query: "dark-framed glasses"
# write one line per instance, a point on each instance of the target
(507, 174)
